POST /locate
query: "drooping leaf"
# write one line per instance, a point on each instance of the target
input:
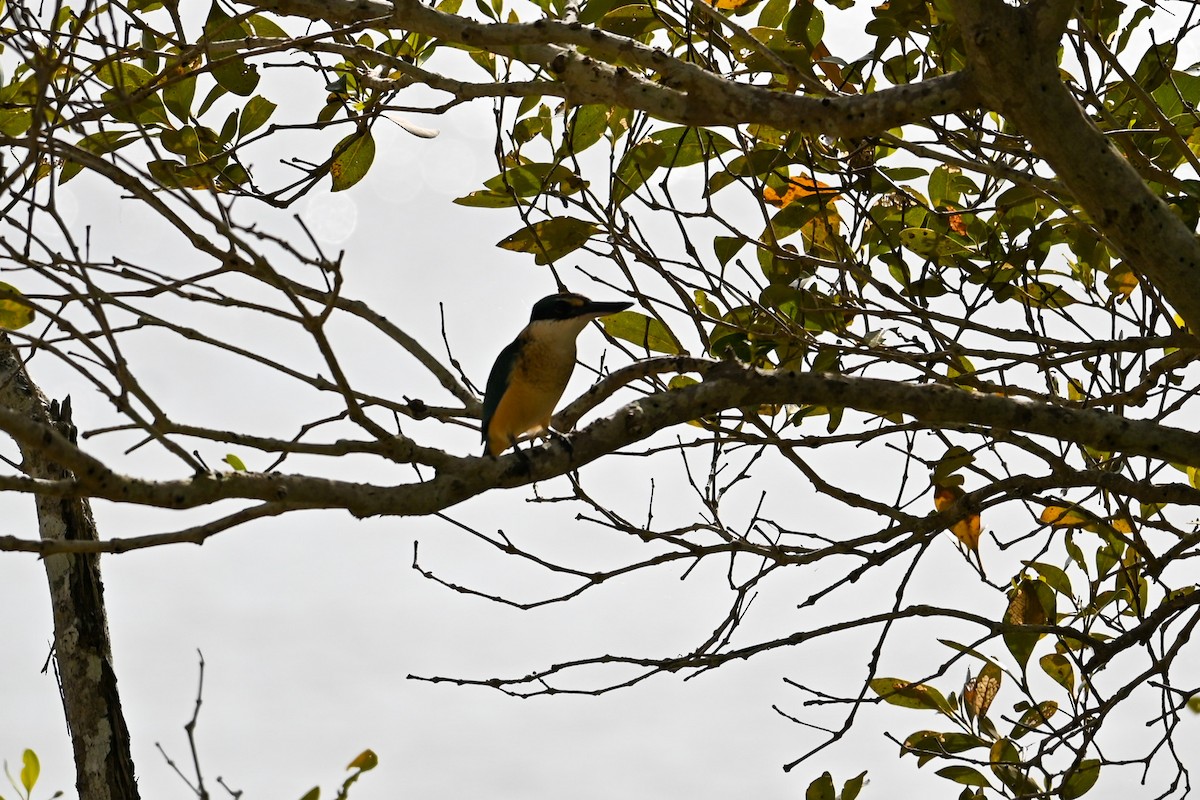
(1058, 667)
(821, 788)
(1006, 765)
(980, 691)
(352, 158)
(255, 114)
(636, 167)
(1081, 781)
(31, 768)
(966, 530)
(1030, 603)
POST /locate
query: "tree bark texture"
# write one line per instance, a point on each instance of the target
(82, 649)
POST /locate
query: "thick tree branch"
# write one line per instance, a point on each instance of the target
(1013, 53)
(82, 649)
(587, 65)
(725, 386)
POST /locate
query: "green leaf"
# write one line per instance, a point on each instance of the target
(644, 331)
(486, 198)
(962, 648)
(1079, 782)
(928, 243)
(927, 745)
(635, 168)
(352, 158)
(686, 146)
(853, 786)
(255, 114)
(587, 127)
(235, 462)
(964, 775)
(551, 239)
(266, 27)
(30, 769)
(312, 794)
(631, 20)
(1058, 667)
(14, 312)
(143, 111)
(821, 788)
(902, 693)
(1005, 760)
(1052, 575)
(1030, 603)
(951, 461)
(220, 27)
(726, 247)
(1037, 294)
(237, 76)
(123, 75)
(14, 121)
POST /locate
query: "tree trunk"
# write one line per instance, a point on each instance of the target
(82, 650)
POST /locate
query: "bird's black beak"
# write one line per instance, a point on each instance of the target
(594, 309)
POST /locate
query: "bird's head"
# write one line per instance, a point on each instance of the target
(568, 306)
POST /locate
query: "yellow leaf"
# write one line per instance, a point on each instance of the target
(1121, 524)
(14, 311)
(1064, 517)
(1121, 282)
(366, 760)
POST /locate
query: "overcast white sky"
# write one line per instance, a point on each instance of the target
(311, 623)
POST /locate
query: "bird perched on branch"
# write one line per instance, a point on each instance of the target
(530, 375)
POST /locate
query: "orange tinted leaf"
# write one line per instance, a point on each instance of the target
(967, 529)
(979, 692)
(800, 186)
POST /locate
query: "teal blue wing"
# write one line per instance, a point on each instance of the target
(498, 381)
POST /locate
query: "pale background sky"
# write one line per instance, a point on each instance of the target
(310, 623)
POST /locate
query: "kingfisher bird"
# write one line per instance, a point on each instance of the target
(531, 374)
